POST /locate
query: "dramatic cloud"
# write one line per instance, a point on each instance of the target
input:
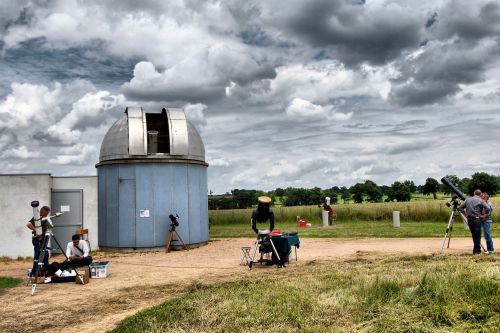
(204, 76)
(307, 93)
(355, 32)
(88, 111)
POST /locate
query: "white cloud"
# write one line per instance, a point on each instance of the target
(304, 109)
(21, 152)
(200, 76)
(29, 106)
(78, 154)
(89, 108)
(219, 162)
(194, 113)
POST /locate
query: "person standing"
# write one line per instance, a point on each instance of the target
(476, 209)
(486, 224)
(37, 239)
(328, 208)
(262, 214)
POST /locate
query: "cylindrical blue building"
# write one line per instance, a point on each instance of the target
(151, 165)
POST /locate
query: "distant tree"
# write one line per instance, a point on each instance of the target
(483, 181)
(463, 185)
(372, 191)
(279, 192)
(244, 198)
(431, 186)
(384, 189)
(357, 192)
(454, 180)
(345, 194)
(411, 185)
(295, 197)
(399, 192)
(221, 202)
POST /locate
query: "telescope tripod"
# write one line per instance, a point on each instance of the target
(39, 262)
(455, 212)
(171, 232)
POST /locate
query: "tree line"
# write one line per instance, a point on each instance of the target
(368, 191)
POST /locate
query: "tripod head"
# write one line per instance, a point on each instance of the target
(454, 202)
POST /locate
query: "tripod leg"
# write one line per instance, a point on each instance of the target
(169, 242)
(180, 238)
(40, 263)
(449, 228)
(275, 251)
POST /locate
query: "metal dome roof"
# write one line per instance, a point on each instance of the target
(152, 137)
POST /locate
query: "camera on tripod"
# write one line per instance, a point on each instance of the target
(174, 220)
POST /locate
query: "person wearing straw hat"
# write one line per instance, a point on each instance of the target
(263, 213)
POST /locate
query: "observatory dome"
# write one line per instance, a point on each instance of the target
(140, 135)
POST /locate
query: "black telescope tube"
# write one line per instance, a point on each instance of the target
(453, 188)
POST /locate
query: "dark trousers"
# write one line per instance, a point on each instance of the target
(37, 249)
(76, 263)
(475, 230)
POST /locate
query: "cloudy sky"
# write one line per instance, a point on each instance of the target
(284, 93)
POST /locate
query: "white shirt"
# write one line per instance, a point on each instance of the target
(71, 250)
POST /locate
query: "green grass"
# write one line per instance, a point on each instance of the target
(363, 293)
(8, 282)
(358, 229)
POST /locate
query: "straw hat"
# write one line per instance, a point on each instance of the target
(264, 200)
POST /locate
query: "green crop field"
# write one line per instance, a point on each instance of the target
(418, 219)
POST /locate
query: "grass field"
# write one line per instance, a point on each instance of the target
(358, 229)
(365, 293)
(8, 282)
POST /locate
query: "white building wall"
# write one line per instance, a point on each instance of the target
(16, 194)
(89, 210)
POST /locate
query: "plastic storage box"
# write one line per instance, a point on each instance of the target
(99, 269)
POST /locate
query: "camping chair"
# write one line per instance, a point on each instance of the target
(82, 233)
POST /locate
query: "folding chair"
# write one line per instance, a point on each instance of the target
(83, 232)
(246, 259)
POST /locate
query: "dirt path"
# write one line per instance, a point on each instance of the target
(141, 280)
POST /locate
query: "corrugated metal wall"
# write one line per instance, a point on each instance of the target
(126, 190)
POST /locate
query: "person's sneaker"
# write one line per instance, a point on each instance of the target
(58, 273)
(47, 280)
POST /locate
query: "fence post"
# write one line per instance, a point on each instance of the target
(395, 219)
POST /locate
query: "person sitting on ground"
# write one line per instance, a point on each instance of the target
(486, 224)
(77, 252)
(262, 214)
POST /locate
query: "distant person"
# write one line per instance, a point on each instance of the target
(476, 209)
(327, 207)
(262, 214)
(77, 252)
(486, 224)
(37, 239)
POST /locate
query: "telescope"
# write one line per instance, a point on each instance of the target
(49, 221)
(453, 188)
(36, 218)
(174, 220)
